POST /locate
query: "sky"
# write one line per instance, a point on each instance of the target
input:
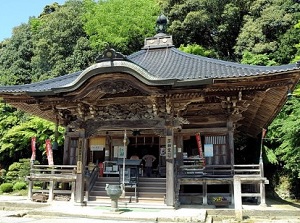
(15, 12)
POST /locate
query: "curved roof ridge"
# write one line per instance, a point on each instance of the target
(185, 66)
(43, 85)
(230, 63)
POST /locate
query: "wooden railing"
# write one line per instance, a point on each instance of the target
(248, 170)
(91, 178)
(196, 170)
(52, 175)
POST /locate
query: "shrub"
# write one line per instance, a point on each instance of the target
(20, 186)
(18, 171)
(6, 187)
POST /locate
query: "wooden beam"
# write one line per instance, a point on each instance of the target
(220, 130)
(125, 124)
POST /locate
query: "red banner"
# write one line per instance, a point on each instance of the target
(33, 148)
(199, 144)
(264, 131)
(49, 152)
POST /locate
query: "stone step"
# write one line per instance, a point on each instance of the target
(128, 199)
(149, 189)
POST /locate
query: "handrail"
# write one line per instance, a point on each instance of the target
(220, 170)
(51, 174)
(91, 179)
(55, 169)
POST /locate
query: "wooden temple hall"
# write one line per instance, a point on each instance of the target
(183, 109)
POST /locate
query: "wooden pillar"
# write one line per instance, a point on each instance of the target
(262, 194)
(30, 183)
(107, 150)
(170, 188)
(30, 186)
(66, 152)
(262, 189)
(231, 140)
(51, 188)
(73, 184)
(178, 163)
(231, 192)
(237, 187)
(204, 190)
(81, 163)
(231, 152)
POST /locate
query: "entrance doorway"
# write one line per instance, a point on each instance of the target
(146, 145)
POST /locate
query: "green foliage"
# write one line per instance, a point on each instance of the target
(6, 187)
(16, 132)
(270, 156)
(20, 186)
(2, 175)
(117, 23)
(284, 137)
(15, 56)
(60, 43)
(297, 56)
(18, 171)
(257, 59)
(268, 29)
(213, 24)
(197, 50)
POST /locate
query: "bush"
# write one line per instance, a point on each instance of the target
(18, 171)
(2, 176)
(6, 187)
(20, 186)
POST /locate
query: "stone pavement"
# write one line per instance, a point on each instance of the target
(273, 212)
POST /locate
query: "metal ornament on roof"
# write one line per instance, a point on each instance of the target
(110, 54)
(161, 24)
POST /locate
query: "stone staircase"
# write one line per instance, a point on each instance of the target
(149, 190)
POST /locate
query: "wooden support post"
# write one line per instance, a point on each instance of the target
(262, 190)
(231, 192)
(81, 162)
(170, 188)
(237, 187)
(73, 191)
(231, 141)
(204, 189)
(30, 186)
(66, 150)
(51, 188)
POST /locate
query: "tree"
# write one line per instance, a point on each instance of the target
(257, 59)
(117, 23)
(197, 50)
(284, 134)
(212, 24)
(61, 45)
(15, 57)
(268, 29)
(17, 130)
(297, 56)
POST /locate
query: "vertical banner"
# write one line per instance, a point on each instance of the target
(169, 147)
(49, 152)
(199, 144)
(80, 156)
(33, 149)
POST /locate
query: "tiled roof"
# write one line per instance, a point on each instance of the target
(166, 63)
(170, 63)
(42, 86)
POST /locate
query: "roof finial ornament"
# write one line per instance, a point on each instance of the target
(109, 54)
(161, 24)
